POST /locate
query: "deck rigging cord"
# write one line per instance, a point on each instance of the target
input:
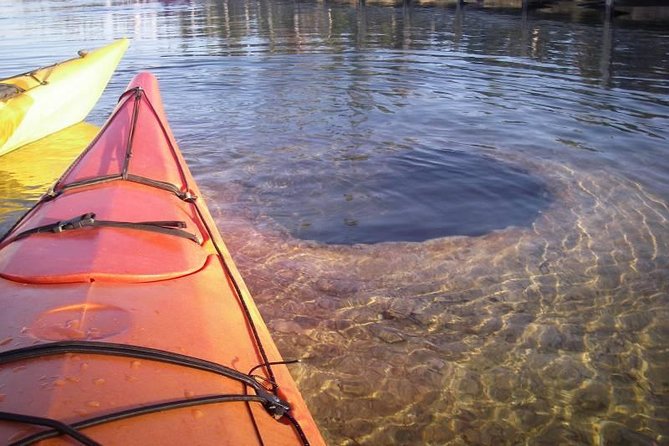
(32, 74)
(10, 90)
(57, 426)
(88, 220)
(276, 407)
(121, 415)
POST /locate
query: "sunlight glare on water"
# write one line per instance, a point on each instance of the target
(456, 215)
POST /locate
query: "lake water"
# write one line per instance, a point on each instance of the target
(457, 216)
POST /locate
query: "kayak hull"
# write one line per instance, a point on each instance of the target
(112, 285)
(56, 97)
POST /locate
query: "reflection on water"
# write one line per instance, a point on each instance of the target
(26, 174)
(551, 330)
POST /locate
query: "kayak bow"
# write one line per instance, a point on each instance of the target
(48, 99)
(125, 320)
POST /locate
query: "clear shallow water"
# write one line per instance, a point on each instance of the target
(550, 329)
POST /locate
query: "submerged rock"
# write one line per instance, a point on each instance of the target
(594, 397)
(387, 335)
(615, 434)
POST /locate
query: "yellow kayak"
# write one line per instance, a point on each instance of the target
(43, 101)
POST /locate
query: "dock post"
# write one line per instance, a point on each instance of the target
(458, 24)
(606, 57)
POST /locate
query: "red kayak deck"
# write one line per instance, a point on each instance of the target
(122, 252)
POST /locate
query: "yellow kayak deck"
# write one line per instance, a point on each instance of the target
(46, 100)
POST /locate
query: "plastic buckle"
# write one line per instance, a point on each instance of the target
(74, 223)
(188, 196)
(136, 92)
(275, 406)
(50, 195)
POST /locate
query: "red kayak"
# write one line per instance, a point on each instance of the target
(124, 319)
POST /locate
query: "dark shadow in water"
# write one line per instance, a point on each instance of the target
(413, 197)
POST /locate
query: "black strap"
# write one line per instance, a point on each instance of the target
(274, 405)
(183, 195)
(57, 426)
(131, 134)
(88, 220)
(121, 415)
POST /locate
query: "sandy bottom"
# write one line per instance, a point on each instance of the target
(552, 334)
